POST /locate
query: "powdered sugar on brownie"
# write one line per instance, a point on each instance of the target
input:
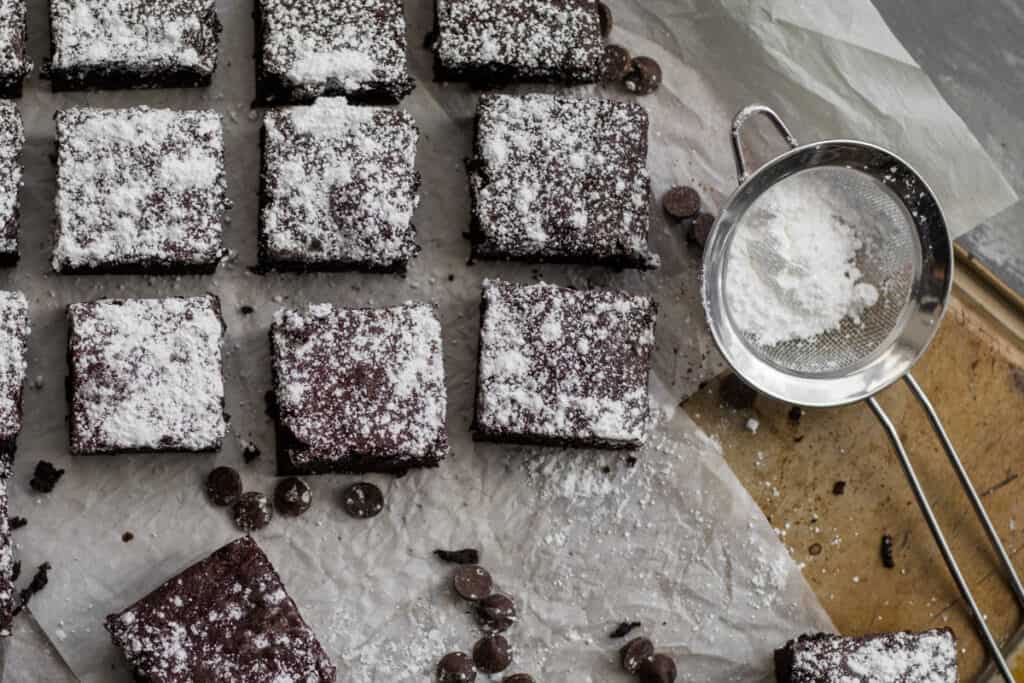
(139, 188)
(6, 559)
(12, 140)
(14, 63)
(928, 657)
(563, 179)
(547, 40)
(146, 375)
(564, 366)
(226, 618)
(14, 332)
(360, 389)
(340, 186)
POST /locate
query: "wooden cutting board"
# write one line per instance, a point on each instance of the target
(974, 375)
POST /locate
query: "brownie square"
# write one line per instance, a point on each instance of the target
(225, 618)
(358, 390)
(145, 375)
(12, 140)
(139, 190)
(312, 48)
(14, 62)
(557, 179)
(491, 43)
(14, 332)
(110, 44)
(928, 657)
(339, 188)
(563, 367)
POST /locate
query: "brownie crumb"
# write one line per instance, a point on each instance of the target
(38, 583)
(736, 394)
(464, 556)
(250, 452)
(839, 488)
(888, 561)
(17, 522)
(127, 537)
(631, 461)
(624, 629)
(45, 477)
(246, 310)
(795, 413)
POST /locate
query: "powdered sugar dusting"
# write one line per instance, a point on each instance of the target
(14, 331)
(12, 140)
(928, 657)
(14, 63)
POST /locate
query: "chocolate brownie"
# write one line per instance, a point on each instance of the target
(491, 43)
(311, 48)
(145, 375)
(14, 332)
(903, 657)
(14, 62)
(12, 140)
(110, 44)
(7, 595)
(225, 618)
(358, 390)
(139, 190)
(563, 367)
(339, 188)
(559, 179)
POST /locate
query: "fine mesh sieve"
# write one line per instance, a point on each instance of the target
(905, 253)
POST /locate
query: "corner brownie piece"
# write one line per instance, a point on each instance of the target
(490, 43)
(109, 44)
(139, 190)
(359, 390)
(225, 618)
(14, 62)
(563, 367)
(903, 657)
(557, 179)
(145, 375)
(339, 188)
(14, 332)
(311, 48)
(12, 140)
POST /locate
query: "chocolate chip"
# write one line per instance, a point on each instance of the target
(700, 229)
(644, 76)
(815, 549)
(496, 612)
(17, 522)
(464, 556)
(492, 654)
(45, 477)
(455, 667)
(472, 582)
(127, 537)
(623, 629)
(657, 669)
(605, 15)
(250, 452)
(362, 500)
(38, 583)
(839, 488)
(681, 202)
(246, 310)
(292, 497)
(634, 652)
(888, 561)
(223, 485)
(253, 511)
(518, 678)
(615, 63)
(736, 394)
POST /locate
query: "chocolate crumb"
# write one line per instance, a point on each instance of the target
(888, 561)
(45, 477)
(246, 310)
(17, 522)
(250, 452)
(631, 461)
(795, 413)
(815, 549)
(38, 583)
(127, 537)
(736, 394)
(464, 556)
(798, 438)
(624, 629)
(518, 678)
(839, 488)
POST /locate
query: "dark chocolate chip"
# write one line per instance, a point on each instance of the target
(496, 612)
(795, 413)
(634, 652)
(644, 76)
(362, 500)
(492, 654)
(472, 582)
(736, 393)
(127, 537)
(839, 488)
(615, 63)
(464, 556)
(45, 477)
(17, 522)
(681, 202)
(292, 496)
(815, 549)
(455, 667)
(246, 310)
(888, 561)
(700, 229)
(223, 485)
(624, 629)
(38, 583)
(253, 511)
(250, 453)
(518, 678)
(605, 15)
(657, 669)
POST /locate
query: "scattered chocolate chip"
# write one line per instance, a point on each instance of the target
(815, 549)
(246, 310)
(223, 485)
(45, 477)
(292, 496)
(605, 15)
(496, 613)
(17, 522)
(127, 537)
(518, 678)
(253, 511)
(681, 202)
(700, 229)
(455, 667)
(631, 461)
(624, 629)
(472, 582)
(795, 413)
(737, 394)
(250, 452)
(887, 559)
(634, 652)
(492, 654)
(657, 669)
(38, 583)
(15, 570)
(615, 63)
(839, 488)
(362, 500)
(464, 556)
(644, 76)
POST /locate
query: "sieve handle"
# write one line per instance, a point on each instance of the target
(740, 121)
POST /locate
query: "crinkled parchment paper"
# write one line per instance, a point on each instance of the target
(581, 539)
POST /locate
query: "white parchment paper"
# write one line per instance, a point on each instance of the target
(581, 539)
